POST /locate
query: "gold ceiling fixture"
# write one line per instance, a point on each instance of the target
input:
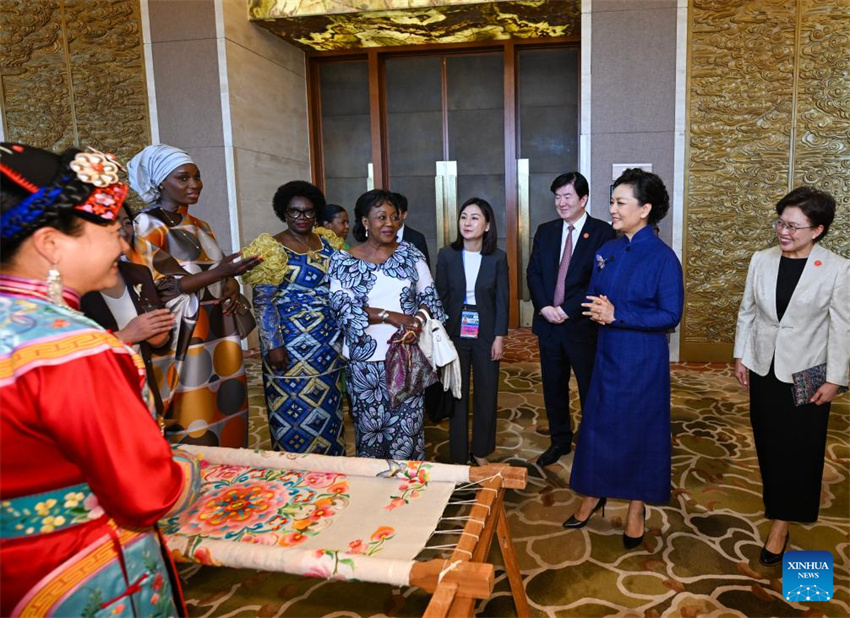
(325, 25)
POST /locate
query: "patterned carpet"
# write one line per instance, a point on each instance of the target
(700, 555)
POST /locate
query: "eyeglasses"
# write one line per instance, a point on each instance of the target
(792, 228)
(294, 213)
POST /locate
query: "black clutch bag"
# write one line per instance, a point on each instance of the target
(807, 382)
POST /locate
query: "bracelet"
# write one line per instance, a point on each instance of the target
(384, 315)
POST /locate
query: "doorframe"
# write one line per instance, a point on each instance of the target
(376, 60)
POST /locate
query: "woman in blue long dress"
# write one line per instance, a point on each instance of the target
(299, 337)
(636, 294)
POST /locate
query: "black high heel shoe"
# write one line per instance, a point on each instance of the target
(768, 558)
(630, 542)
(575, 523)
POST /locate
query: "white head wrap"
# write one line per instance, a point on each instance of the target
(153, 165)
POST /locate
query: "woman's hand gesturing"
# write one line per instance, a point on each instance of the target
(599, 309)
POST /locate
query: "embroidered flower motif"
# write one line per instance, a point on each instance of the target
(73, 499)
(818, 262)
(602, 262)
(238, 504)
(96, 168)
(356, 547)
(43, 508)
(384, 532)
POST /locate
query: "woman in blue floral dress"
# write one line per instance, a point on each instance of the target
(377, 288)
(299, 337)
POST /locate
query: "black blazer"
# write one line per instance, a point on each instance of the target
(94, 307)
(417, 239)
(491, 292)
(542, 273)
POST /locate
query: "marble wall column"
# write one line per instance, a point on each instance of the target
(233, 96)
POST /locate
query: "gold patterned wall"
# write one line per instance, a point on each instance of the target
(324, 25)
(72, 74)
(768, 101)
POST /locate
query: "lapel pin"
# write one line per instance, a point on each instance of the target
(586, 235)
(818, 262)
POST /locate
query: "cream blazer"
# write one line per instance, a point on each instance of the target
(815, 328)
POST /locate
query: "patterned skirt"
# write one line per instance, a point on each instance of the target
(305, 414)
(210, 403)
(381, 431)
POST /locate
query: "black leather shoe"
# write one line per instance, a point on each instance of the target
(768, 558)
(552, 455)
(630, 542)
(575, 523)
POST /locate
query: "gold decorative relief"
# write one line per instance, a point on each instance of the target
(351, 25)
(73, 74)
(742, 153)
(37, 106)
(822, 135)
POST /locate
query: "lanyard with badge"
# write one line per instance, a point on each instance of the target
(469, 320)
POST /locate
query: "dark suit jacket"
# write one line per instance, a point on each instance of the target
(491, 292)
(542, 273)
(94, 307)
(417, 239)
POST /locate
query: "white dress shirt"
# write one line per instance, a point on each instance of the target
(471, 266)
(577, 227)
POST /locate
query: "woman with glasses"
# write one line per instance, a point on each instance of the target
(299, 337)
(131, 308)
(795, 316)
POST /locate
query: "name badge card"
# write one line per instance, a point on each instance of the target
(469, 325)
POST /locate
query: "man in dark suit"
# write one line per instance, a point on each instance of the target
(407, 233)
(559, 269)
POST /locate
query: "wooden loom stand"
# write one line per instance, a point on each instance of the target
(451, 598)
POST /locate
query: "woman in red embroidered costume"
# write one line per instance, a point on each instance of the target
(85, 470)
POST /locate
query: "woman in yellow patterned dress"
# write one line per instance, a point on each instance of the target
(298, 335)
(203, 385)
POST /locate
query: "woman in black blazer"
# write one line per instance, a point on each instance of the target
(145, 323)
(472, 281)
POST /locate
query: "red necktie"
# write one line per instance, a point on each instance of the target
(564, 267)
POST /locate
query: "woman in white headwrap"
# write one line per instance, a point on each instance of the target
(203, 387)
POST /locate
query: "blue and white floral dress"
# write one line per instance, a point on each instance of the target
(402, 283)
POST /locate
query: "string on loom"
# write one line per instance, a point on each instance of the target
(448, 569)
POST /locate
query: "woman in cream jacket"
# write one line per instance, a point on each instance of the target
(795, 315)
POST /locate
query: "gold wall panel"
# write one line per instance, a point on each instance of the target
(767, 106)
(354, 25)
(822, 127)
(73, 74)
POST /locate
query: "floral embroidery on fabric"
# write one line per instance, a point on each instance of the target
(330, 565)
(415, 475)
(264, 506)
(48, 512)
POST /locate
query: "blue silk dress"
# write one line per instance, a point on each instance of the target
(624, 443)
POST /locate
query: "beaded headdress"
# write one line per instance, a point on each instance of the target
(85, 182)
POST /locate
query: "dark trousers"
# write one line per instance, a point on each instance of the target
(790, 444)
(474, 355)
(558, 355)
